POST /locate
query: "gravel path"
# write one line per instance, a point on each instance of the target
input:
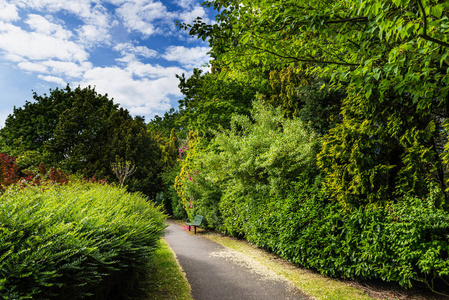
(217, 272)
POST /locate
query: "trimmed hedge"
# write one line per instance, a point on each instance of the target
(404, 242)
(75, 241)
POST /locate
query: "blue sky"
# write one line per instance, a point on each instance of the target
(129, 49)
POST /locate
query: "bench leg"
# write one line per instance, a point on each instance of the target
(194, 228)
(189, 227)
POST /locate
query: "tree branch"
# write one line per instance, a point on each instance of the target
(424, 34)
(355, 20)
(306, 60)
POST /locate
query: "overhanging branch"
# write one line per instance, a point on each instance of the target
(424, 34)
(305, 59)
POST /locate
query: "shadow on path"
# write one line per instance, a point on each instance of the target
(217, 272)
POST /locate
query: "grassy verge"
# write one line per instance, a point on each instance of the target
(167, 280)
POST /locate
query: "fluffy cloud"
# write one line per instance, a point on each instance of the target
(186, 4)
(143, 96)
(83, 42)
(38, 46)
(128, 48)
(142, 15)
(8, 11)
(32, 67)
(189, 16)
(95, 18)
(41, 25)
(54, 79)
(187, 57)
(67, 69)
(90, 11)
(92, 35)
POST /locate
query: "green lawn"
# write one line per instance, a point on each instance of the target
(167, 280)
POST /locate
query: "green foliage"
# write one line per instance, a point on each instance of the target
(129, 139)
(30, 126)
(390, 57)
(170, 150)
(405, 243)
(165, 124)
(306, 97)
(187, 166)
(210, 100)
(371, 79)
(82, 132)
(75, 241)
(377, 158)
(171, 201)
(245, 164)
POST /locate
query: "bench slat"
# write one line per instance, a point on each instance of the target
(196, 222)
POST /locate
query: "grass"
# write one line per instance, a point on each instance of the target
(311, 283)
(167, 280)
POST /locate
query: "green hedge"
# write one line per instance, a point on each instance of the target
(407, 242)
(75, 241)
(258, 180)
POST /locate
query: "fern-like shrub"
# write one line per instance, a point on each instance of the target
(75, 241)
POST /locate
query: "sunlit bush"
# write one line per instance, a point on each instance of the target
(75, 240)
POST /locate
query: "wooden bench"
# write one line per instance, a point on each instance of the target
(196, 222)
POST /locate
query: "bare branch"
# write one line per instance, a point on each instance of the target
(123, 169)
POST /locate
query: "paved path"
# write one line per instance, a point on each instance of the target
(217, 272)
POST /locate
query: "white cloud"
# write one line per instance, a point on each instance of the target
(152, 71)
(92, 35)
(32, 67)
(97, 20)
(141, 16)
(57, 49)
(38, 46)
(54, 79)
(90, 11)
(41, 25)
(128, 48)
(13, 57)
(144, 95)
(67, 69)
(8, 11)
(189, 16)
(187, 57)
(186, 4)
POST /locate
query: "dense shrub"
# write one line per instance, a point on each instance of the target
(405, 242)
(73, 241)
(9, 172)
(171, 201)
(228, 181)
(259, 181)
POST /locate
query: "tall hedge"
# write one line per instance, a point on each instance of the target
(259, 180)
(75, 241)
